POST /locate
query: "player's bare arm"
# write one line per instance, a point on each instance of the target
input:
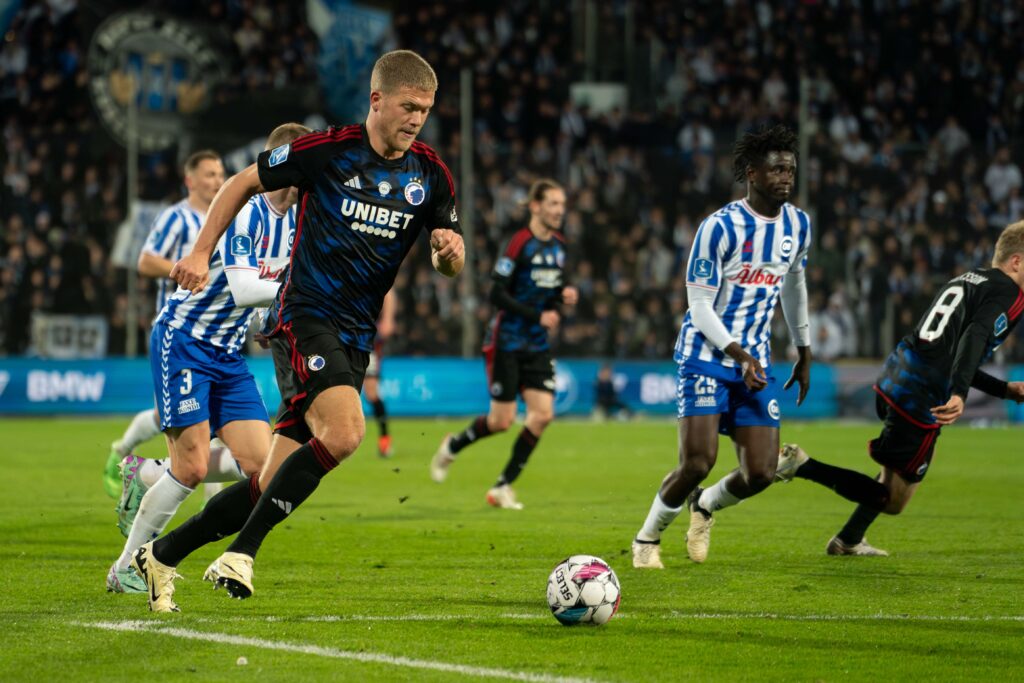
(193, 271)
(1015, 392)
(151, 265)
(753, 372)
(447, 252)
(801, 373)
(949, 413)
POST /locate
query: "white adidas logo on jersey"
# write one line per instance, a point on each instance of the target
(353, 183)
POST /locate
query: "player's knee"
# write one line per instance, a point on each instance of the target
(760, 479)
(191, 473)
(500, 423)
(341, 443)
(695, 466)
(540, 419)
(250, 461)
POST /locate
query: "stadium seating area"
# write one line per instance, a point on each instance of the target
(911, 171)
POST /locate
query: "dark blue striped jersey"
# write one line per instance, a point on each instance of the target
(359, 215)
(969, 318)
(531, 271)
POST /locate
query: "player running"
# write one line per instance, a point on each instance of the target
(744, 258)
(366, 194)
(371, 383)
(528, 288)
(202, 381)
(171, 237)
(923, 386)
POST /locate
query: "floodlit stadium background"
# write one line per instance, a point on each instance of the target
(911, 122)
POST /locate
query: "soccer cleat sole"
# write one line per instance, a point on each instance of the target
(235, 589)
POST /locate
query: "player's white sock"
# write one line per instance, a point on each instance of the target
(223, 466)
(717, 497)
(211, 489)
(157, 508)
(658, 519)
(143, 427)
(150, 471)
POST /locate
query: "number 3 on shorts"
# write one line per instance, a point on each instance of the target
(186, 381)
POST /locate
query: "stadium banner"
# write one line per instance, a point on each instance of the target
(447, 387)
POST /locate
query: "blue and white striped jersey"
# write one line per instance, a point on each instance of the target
(171, 237)
(743, 257)
(258, 239)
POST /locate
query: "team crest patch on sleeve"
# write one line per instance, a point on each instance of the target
(414, 193)
(241, 245)
(703, 268)
(316, 363)
(504, 267)
(1001, 324)
(279, 155)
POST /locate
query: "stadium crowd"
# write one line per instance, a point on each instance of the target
(915, 116)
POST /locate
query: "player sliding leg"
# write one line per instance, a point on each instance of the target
(922, 388)
(744, 258)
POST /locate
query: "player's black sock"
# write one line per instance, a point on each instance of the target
(223, 515)
(298, 477)
(476, 430)
(381, 415)
(521, 450)
(857, 525)
(851, 485)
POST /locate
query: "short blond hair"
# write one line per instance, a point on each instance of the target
(402, 68)
(1010, 242)
(285, 133)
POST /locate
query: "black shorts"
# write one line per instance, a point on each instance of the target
(905, 445)
(509, 372)
(309, 358)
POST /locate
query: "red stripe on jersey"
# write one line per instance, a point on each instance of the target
(308, 139)
(1018, 306)
(904, 414)
(517, 243)
(310, 143)
(427, 151)
(291, 258)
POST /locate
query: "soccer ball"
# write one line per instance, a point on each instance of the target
(583, 589)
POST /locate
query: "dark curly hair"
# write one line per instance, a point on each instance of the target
(754, 146)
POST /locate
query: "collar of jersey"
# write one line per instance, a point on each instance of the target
(757, 215)
(377, 157)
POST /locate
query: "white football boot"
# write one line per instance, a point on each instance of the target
(503, 497)
(698, 536)
(233, 572)
(159, 579)
(836, 546)
(791, 457)
(647, 555)
(442, 460)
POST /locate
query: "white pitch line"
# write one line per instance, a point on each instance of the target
(365, 657)
(770, 616)
(706, 616)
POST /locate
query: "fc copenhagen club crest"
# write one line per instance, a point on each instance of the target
(414, 193)
(169, 66)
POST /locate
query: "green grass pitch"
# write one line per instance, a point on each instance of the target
(384, 575)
